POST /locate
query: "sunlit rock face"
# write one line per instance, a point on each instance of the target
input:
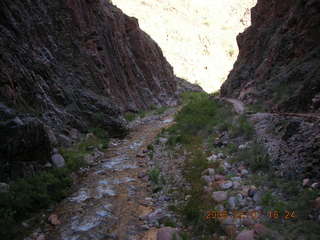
(198, 37)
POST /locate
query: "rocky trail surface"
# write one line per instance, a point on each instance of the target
(112, 198)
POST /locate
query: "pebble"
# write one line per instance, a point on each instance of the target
(219, 177)
(54, 220)
(236, 185)
(4, 187)
(57, 160)
(227, 165)
(219, 196)
(167, 233)
(257, 196)
(41, 237)
(212, 158)
(232, 201)
(207, 179)
(316, 203)
(209, 171)
(306, 182)
(231, 231)
(260, 229)
(244, 172)
(246, 235)
(247, 222)
(226, 185)
(236, 179)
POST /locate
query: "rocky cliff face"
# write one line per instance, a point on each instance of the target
(196, 36)
(279, 60)
(67, 65)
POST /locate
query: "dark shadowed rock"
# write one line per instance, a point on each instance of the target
(279, 57)
(67, 66)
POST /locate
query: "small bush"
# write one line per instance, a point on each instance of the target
(154, 175)
(255, 156)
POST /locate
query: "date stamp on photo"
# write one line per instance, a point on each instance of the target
(254, 214)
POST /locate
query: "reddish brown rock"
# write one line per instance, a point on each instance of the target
(54, 220)
(278, 57)
(67, 65)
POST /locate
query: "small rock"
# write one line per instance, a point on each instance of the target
(207, 179)
(48, 165)
(227, 221)
(245, 190)
(257, 197)
(54, 220)
(306, 182)
(145, 227)
(212, 158)
(89, 135)
(244, 172)
(207, 189)
(219, 207)
(236, 179)
(232, 201)
(260, 229)
(25, 224)
(231, 231)
(220, 155)
(316, 203)
(167, 233)
(57, 160)
(187, 197)
(246, 235)
(163, 140)
(41, 237)
(251, 192)
(236, 185)
(4, 187)
(227, 165)
(247, 222)
(226, 185)
(219, 177)
(209, 171)
(140, 155)
(315, 185)
(141, 174)
(243, 146)
(220, 196)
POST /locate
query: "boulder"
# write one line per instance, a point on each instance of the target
(57, 160)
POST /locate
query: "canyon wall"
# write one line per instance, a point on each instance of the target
(196, 36)
(279, 61)
(66, 66)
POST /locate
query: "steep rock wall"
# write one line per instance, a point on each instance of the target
(68, 65)
(279, 59)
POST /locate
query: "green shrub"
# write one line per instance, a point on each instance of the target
(154, 175)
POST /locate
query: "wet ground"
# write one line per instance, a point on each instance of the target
(111, 200)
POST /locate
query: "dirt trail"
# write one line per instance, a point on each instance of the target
(114, 193)
(237, 104)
